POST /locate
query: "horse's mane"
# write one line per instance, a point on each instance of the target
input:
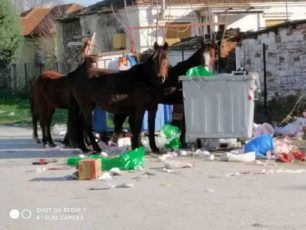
(50, 74)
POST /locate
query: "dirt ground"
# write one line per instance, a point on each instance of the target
(211, 195)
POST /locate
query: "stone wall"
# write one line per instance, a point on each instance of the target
(285, 59)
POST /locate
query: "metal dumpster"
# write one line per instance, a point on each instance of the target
(219, 107)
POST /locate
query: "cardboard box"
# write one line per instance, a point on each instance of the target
(89, 169)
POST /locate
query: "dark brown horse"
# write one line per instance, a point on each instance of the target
(126, 92)
(204, 55)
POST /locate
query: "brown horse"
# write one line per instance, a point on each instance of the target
(206, 55)
(48, 92)
(126, 92)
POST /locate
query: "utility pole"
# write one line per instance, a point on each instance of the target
(286, 2)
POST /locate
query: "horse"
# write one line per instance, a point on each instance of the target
(124, 92)
(201, 56)
(48, 92)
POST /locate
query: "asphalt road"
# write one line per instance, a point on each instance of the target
(212, 195)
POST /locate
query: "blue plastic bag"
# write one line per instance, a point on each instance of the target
(260, 144)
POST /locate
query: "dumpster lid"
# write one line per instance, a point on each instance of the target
(223, 76)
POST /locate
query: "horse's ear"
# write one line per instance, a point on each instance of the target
(166, 46)
(156, 46)
(202, 42)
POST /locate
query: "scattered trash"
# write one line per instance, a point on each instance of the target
(177, 164)
(144, 175)
(106, 187)
(74, 176)
(172, 135)
(260, 145)
(291, 156)
(115, 172)
(239, 156)
(209, 190)
(164, 157)
(126, 161)
(112, 186)
(283, 145)
(202, 153)
(43, 162)
(89, 169)
(264, 128)
(165, 184)
(59, 129)
(138, 168)
(168, 170)
(58, 168)
(40, 170)
(126, 185)
(211, 157)
(294, 129)
(105, 176)
(124, 141)
(182, 152)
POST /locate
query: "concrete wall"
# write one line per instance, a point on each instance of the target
(285, 60)
(68, 32)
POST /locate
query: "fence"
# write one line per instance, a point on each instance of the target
(17, 77)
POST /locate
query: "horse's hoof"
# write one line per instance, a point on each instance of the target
(38, 141)
(156, 151)
(52, 145)
(46, 146)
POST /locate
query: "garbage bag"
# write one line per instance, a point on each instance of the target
(73, 161)
(174, 144)
(199, 71)
(126, 161)
(260, 144)
(172, 134)
(170, 131)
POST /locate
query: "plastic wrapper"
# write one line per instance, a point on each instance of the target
(261, 145)
(172, 134)
(126, 161)
(199, 71)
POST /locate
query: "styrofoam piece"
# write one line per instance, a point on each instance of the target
(244, 157)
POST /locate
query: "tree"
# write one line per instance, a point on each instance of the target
(23, 5)
(10, 31)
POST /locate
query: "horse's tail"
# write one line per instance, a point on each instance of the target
(75, 127)
(33, 111)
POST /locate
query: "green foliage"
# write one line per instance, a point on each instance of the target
(10, 31)
(15, 110)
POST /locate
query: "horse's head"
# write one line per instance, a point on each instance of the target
(160, 62)
(210, 54)
(227, 46)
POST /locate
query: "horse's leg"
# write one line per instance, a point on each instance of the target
(43, 130)
(33, 109)
(118, 126)
(137, 118)
(48, 127)
(151, 126)
(34, 123)
(75, 129)
(88, 129)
